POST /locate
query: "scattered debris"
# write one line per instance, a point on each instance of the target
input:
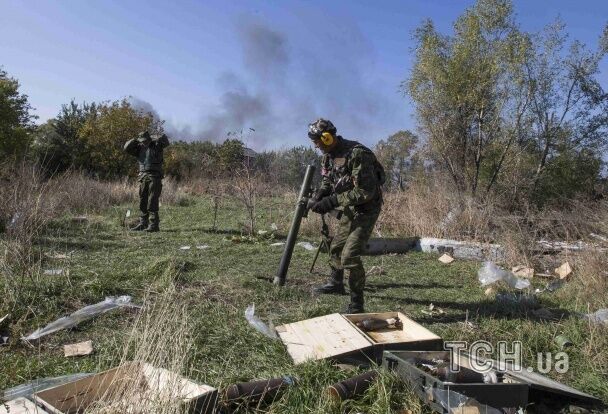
(560, 246)
(562, 342)
(461, 249)
(551, 286)
(446, 258)
(376, 271)
(433, 311)
(4, 333)
(598, 237)
(262, 232)
(599, 317)
(277, 244)
(306, 245)
(468, 325)
(564, 270)
(58, 256)
(129, 388)
(490, 273)
(53, 272)
(128, 213)
(255, 393)
(78, 349)
(20, 406)
(81, 315)
(489, 291)
(523, 271)
(257, 323)
(203, 246)
(273, 227)
(29, 388)
(14, 220)
(185, 247)
(80, 219)
(352, 387)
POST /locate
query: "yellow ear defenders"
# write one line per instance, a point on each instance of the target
(327, 139)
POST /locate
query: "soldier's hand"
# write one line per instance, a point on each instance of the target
(325, 205)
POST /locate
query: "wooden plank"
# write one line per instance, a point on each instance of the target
(79, 349)
(323, 337)
(20, 406)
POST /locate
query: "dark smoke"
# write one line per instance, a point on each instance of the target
(283, 88)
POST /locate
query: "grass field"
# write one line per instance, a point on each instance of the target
(194, 302)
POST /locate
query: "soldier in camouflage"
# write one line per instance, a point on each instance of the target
(351, 180)
(149, 154)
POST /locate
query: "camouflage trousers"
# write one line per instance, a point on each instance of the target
(354, 230)
(150, 187)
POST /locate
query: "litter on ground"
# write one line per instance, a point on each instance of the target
(446, 258)
(257, 323)
(81, 315)
(78, 349)
(306, 245)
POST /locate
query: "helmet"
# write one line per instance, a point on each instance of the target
(317, 128)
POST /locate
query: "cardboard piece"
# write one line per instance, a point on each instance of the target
(123, 388)
(20, 406)
(79, 349)
(446, 258)
(523, 271)
(564, 270)
(336, 337)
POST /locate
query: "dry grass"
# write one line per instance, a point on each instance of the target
(161, 337)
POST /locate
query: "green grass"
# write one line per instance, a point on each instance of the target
(218, 283)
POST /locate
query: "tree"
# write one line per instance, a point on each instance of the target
(104, 133)
(395, 154)
(460, 86)
(57, 145)
(569, 109)
(16, 122)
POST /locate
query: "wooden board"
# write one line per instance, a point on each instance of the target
(20, 406)
(322, 337)
(79, 349)
(129, 385)
(334, 336)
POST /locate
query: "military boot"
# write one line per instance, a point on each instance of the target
(142, 225)
(335, 284)
(154, 222)
(356, 303)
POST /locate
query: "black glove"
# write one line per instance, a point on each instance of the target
(325, 205)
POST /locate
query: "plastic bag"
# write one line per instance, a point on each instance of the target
(306, 245)
(599, 317)
(29, 388)
(81, 315)
(490, 273)
(257, 323)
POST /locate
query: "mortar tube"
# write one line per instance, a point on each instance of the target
(254, 392)
(295, 227)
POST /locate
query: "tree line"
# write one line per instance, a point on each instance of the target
(499, 111)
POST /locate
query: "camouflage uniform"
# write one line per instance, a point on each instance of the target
(351, 172)
(149, 155)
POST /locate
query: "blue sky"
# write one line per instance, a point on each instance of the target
(210, 67)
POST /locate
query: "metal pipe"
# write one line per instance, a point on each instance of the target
(295, 226)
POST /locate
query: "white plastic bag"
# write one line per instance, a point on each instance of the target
(490, 273)
(257, 323)
(81, 315)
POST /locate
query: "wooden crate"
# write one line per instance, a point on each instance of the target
(130, 388)
(337, 337)
(20, 406)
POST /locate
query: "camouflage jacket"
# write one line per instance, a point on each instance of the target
(150, 156)
(350, 171)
